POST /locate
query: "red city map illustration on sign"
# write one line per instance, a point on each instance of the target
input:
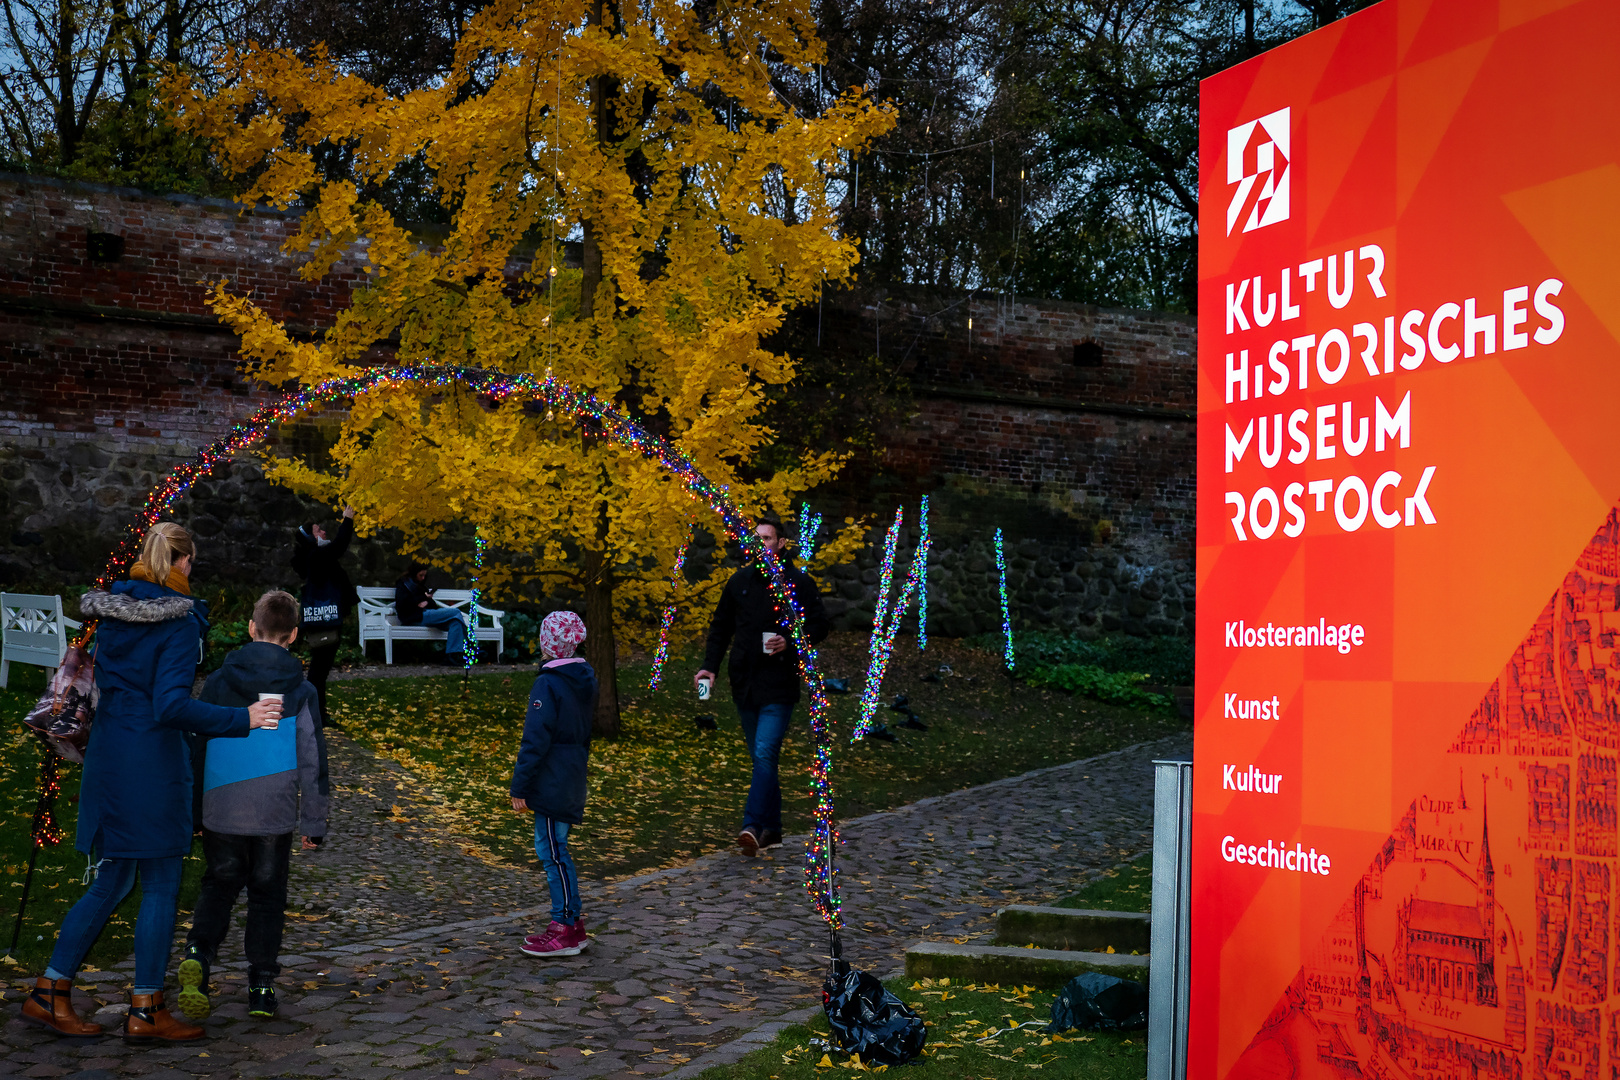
(1478, 943)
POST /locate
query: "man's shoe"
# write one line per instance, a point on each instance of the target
(748, 842)
(150, 1019)
(262, 1000)
(770, 840)
(193, 998)
(51, 1006)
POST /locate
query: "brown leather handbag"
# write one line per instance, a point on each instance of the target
(63, 715)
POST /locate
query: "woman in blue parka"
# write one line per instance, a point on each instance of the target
(135, 793)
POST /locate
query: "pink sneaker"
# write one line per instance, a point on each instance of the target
(544, 944)
(560, 939)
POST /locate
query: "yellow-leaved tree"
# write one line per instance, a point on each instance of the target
(650, 135)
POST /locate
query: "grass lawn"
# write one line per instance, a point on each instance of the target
(666, 791)
(59, 872)
(959, 1020)
(1127, 887)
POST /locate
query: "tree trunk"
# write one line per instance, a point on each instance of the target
(591, 266)
(601, 651)
(590, 255)
(67, 135)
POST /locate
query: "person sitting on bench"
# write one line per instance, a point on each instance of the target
(413, 604)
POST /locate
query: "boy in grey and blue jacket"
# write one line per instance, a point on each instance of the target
(257, 793)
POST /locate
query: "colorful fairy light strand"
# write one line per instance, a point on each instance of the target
(885, 625)
(820, 856)
(1006, 612)
(809, 526)
(677, 581)
(921, 559)
(46, 832)
(469, 651)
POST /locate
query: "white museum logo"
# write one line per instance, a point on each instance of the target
(1257, 156)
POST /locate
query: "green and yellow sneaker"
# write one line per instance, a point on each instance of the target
(193, 1000)
(262, 1001)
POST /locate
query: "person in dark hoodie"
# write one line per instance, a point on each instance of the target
(764, 675)
(549, 778)
(413, 606)
(135, 788)
(328, 595)
(251, 807)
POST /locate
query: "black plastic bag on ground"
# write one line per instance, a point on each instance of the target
(868, 1020)
(1094, 1002)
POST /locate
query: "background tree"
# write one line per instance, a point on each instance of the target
(654, 136)
(1116, 143)
(78, 81)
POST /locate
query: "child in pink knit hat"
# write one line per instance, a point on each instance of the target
(549, 778)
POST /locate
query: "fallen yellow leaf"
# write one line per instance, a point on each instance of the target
(826, 1062)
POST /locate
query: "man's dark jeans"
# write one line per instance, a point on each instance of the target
(260, 864)
(764, 729)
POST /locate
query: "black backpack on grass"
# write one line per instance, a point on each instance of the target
(868, 1020)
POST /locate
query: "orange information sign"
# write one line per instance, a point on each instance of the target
(1406, 794)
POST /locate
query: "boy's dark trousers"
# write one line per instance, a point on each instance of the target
(260, 864)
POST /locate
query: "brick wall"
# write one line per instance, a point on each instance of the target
(1066, 422)
(1071, 427)
(114, 369)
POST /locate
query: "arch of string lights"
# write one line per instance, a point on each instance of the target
(821, 872)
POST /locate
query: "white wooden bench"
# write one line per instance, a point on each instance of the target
(33, 630)
(379, 623)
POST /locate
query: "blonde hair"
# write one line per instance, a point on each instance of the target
(165, 543)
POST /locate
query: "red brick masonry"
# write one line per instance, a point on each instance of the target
(113, 367)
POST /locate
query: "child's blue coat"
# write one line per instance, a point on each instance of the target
(550, 770)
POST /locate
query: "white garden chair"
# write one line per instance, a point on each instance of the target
(33, 630)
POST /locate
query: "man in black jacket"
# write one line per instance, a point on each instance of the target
(764, 675)
(317, 559)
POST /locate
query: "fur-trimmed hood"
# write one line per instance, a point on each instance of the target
(125, 607)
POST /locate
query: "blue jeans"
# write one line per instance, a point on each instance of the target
(551, 844)
(154, 927)
(454, 623)
(764, 729)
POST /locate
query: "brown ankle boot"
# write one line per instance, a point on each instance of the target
(149, 1019)
(51, 1005)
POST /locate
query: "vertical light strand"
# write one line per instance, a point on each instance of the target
(677, 581)
(809, 526)
(885, 625)
(469, 652)
(1006, 612)
(921, 560)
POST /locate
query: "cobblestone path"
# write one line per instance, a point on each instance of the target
(402, 957)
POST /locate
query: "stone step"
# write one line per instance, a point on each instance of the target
(1047, 969)
(1073, 928)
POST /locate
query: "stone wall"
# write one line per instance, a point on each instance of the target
(1069, 427)
(115, 369)
(1069, 421)
(1079, 589)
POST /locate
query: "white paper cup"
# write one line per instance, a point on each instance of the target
(765, 641)
(277, 698)
(704, 687)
